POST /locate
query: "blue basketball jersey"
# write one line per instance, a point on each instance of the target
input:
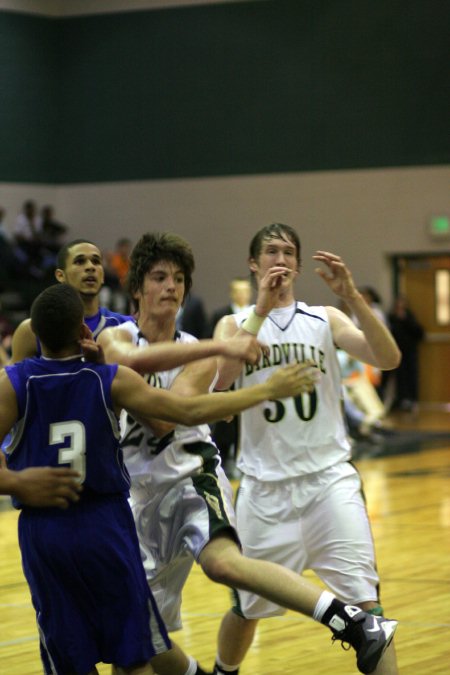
(105, 318)
(66, 418)
(83, 563)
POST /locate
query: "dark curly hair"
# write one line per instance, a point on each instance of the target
(153, 247)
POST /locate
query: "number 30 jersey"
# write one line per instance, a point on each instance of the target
(294, 436)
(66, 418)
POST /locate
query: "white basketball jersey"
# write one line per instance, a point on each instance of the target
(294, 436)
(147, 457)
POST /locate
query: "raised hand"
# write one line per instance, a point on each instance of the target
(272, 286)
(337, 275)
(293, 380)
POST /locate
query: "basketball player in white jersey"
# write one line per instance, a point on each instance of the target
(294, 454)
(180, 497)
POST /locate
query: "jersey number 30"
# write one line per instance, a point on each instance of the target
(75, 453)
(305, 407)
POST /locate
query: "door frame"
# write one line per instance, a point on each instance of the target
(396, 274)
(394, 259)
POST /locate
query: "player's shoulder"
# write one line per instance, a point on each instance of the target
(24, 327)
(318, 312)
(24, 342)
(114, 318)
(237, 318)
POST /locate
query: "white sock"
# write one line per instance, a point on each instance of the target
(323, 603)
(225, 667)
(192, 667)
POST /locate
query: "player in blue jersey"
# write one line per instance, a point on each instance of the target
(83, 564)
(80, 264)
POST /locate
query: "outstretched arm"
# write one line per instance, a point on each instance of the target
(132, 393)
(118, 348)
(373, 342)
(195, 378)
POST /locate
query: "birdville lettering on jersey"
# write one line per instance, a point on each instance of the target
(289, 352)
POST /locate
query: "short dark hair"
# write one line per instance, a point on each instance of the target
(63, 253)
(153, 247)
(56, 316)
(274, 231)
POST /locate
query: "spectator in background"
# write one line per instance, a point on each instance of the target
(240, 294)
(28, 228)
(373, 299)
(225, 433)
(28, 234)
(4, 234)
(408, 333)
(52, 231)
(7, 256)
(119, 259)
(117, 263)
(363, 408)
(33, 259)
(53, 236)
(191, 317)
(19, 277)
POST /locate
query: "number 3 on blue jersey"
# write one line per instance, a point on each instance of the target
(75, 454)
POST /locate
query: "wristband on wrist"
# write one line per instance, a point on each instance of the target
(253, 323)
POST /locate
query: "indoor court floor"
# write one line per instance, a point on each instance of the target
(407, 484)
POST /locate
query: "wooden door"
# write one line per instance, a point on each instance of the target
(425, 281)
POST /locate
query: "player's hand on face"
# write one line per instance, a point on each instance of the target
(48, 486)
(336, 274)
(293, 380)
(92, 351)
(274, 282)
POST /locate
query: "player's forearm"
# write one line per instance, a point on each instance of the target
(228, 371)
(8, 482)
(167, 355)
(229, 368)
(214, 407)
(385, 351)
